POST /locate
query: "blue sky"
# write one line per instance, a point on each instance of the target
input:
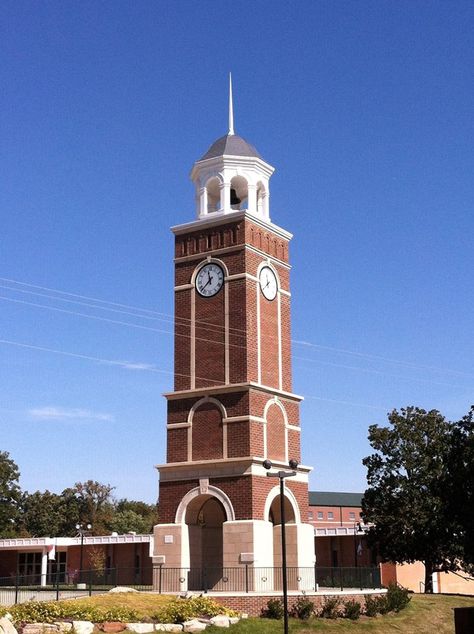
(364, 108)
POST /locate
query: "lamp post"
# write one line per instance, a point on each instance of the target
(281, 475)
(81, 529)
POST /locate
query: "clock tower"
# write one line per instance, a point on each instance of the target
(232, 406)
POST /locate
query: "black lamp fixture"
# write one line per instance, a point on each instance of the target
(82, 529)
(281, 475)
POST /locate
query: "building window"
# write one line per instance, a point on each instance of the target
(352, 516)
(57, 568)
(330, 515)
(29, 565)
(320, 515)
(310, 515)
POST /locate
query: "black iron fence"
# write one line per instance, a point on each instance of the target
(162, 579)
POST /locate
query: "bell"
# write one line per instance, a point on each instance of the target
(234, 199)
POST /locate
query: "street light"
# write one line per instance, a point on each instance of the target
(358, 530)
(81, 529)
(281, 475)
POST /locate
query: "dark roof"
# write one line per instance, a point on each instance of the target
(330, 498)
(230, 144)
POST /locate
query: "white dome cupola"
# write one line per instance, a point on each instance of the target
(232, 176)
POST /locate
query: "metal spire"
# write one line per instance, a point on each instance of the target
(231, 107)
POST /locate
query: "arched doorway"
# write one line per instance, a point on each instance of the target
(204, 517)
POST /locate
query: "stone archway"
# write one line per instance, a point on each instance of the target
(204, 514)
(292, 519)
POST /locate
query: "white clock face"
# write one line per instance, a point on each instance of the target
(209, 280)
(268, 283)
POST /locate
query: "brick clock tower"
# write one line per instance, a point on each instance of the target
(232, 406)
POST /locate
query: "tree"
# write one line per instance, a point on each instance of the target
(42, 514)
(95, 504)
(459, 484)
(148, 513)
(127, 521)
(406, 495)
(9, 495)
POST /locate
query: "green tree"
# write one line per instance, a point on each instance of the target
(148, 512)
(406, 495)
(459, 484)
(94, 504)
(126, 521)
(42, 514)
(10, 495)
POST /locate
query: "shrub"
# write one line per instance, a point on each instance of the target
(352, 610)
(180, 610)
(49, 611)
(371, 605)
(303, 608)
(274, 609)
(330, 608)
(397, 598)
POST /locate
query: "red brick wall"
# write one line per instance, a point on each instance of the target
(210, 349)
(253, 605)
(177, 446)
(207, 432)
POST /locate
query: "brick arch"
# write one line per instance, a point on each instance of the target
(207, 433)
(212, 492)
(291, 500)
(276, 439)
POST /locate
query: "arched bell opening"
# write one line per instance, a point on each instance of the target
(205, 516)
(239, 193)
(213, 195)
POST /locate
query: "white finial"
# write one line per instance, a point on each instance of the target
(231, 107)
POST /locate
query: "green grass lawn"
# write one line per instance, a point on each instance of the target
(425, 614)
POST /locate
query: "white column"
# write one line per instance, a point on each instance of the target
(266, 205)
(225, 197)
(202, 211)
(252, 198)
(44, 566)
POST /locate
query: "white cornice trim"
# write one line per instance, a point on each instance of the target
(235, 387)
(223, 467)
(221, 218)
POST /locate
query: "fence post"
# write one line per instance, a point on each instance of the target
(341, 579)
(160, 577)
(57, 585)
(17, 581)
(90, 583)
(246, 578)
(315, 577)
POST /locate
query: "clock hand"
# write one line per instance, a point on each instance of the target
(208, 282)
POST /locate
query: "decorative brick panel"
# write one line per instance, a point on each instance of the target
(207, 433)
(276, 433)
